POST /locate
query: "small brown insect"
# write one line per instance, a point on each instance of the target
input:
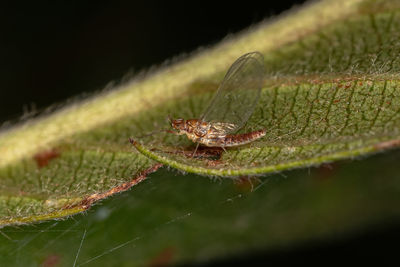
(230, 108)
(213, 134)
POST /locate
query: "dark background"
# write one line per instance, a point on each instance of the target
(52, 51)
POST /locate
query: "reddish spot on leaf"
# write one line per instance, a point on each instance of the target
(214, 163)
(246, 183)
(326, 171)
(387, 144)
(164, 258)
(254, 164)
(51, 260)
(22, 193)
(336, 101)
(43, 158)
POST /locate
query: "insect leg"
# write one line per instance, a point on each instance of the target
(195, 150)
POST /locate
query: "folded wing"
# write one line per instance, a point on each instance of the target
(238, 94)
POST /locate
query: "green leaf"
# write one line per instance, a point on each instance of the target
(188, 219)
(330, 92)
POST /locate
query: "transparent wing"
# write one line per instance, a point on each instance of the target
(238, 94)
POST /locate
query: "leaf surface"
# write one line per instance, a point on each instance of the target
(330, 92)
(333, 94)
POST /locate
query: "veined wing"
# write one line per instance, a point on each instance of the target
(238, 94)
(219, 129)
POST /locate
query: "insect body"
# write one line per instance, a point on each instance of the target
(213, 134)
(230, 108)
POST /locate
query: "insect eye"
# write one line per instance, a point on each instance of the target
(177, 122)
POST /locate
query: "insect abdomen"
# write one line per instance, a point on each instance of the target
(241, 139)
